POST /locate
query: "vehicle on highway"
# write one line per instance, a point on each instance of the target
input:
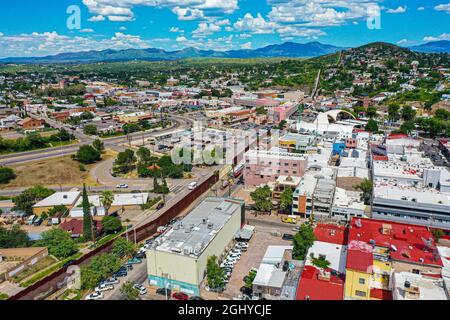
(180, 296)
(95, 296)
(142, 290)
(134, 261)
(104, 287)
(122, 186)
(164, 292)
(192, 185)
(288, 237)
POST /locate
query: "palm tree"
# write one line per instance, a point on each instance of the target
(107, 198)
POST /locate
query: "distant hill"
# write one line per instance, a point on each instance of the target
(433, 47)
(287, 49)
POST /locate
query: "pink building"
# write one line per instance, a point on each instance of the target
(253, 103)
(263, 166)
(283, 112)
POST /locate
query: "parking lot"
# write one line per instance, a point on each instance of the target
(250, 259)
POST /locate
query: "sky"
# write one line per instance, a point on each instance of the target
(46, 27)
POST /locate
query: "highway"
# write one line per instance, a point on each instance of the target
(114, 143)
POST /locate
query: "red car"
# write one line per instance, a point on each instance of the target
(180, 296)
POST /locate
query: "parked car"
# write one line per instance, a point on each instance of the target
(180, 296)
(246, 291)
(134, 261)
(142, 290)
(95, 296)
(120, 274)
(141, 255)
(192, 185)
(288, 237)
(104, 287)
(122, 186)
(160, 206)
(164, 291)
(110, 281)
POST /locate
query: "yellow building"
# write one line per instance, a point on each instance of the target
(179, 259)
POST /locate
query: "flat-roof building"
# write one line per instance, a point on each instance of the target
(179, 256)
(67, 199)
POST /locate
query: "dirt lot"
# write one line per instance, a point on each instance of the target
(53, 172)
(251, 259)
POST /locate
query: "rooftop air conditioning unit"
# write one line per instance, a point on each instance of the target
(210, 225)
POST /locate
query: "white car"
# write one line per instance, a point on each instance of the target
(95, 296)
(122, 186)
(142, 290)
(104, 287)
(227, 264)
(110, 281)
(192, 185)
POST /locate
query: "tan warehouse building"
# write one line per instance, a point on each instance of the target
(179, 257)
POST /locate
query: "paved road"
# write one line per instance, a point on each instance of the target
(114, 143)
(137, 275)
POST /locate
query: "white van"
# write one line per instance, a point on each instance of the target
(192, 185)
(30, 220)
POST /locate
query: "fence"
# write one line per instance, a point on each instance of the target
(55, 281)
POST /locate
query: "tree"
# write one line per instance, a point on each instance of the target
(321, 262)
(303, 240)
(125, 161)
(366, 186)
(393, 112)
(372, 126)
(28, 198)
(6, 175)
(408, 113)
(59, 243)
(250, 278)
(129, 291)
(87, 218)
(144, 155)
(286, 199)
(87, 154)
(98, 145)
(407, 127)
(281, 125)
(122, 248)
(262, 198)
(13, 238)
(107, 198)
(90, 129)
(215, 275)
(111, 224)
(371, 112)
(442, 114)
(98, 268)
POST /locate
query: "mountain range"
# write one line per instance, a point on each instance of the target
(287, 49)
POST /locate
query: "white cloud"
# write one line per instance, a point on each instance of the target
(205, 29)
(443, 7)
(403, 41)
(255, 25)
(1, 34)
(184, 9)
(49, 43)
(443, 36)
(247, 45)
(420, 8)
(97, 18)
(122, 28)
(175, 30)
(86, 30)
(400, 9)
(320, 13)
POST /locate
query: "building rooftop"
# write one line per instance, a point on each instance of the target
(191, 235)
(411, 286)
(269, 275)
(315, 284)
(369, 239)
(394, 191)
(59, 198)
(331, 233)
(348, 199)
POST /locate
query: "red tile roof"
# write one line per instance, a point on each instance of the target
(75, 227)
(310, 287)
(380, 158)
(397, 136)
(405, 242)
(331, 233)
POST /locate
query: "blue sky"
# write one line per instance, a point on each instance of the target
(37, 28)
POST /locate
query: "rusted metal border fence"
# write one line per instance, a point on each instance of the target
(50, 284)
